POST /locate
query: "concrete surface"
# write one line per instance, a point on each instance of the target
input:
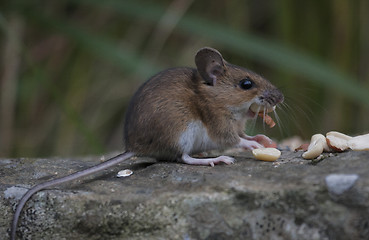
(292, 198)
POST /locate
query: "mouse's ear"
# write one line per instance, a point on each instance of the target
(210, 64)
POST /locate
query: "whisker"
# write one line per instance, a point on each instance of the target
(279, 123)
(285, 108)
(292, 116)
(298, 113)
(251, 127)
(264, 114)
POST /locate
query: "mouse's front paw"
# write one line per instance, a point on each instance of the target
(249, 144)
(263, 140)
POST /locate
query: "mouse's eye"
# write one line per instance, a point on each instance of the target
(246, 83)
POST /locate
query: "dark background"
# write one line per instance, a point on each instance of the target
(69, 68)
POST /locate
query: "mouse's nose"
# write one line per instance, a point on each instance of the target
(280, 96)
(273, 96)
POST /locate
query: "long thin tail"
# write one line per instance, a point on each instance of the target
(109, 163)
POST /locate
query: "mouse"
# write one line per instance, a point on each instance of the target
(184, 111)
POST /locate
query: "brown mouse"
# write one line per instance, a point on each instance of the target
(183, 111)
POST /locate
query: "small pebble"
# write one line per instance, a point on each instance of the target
(15, 192)
(339, 183)
(125, 173)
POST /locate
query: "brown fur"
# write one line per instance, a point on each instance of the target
(163, 107)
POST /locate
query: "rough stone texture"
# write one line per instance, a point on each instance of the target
(287, 199)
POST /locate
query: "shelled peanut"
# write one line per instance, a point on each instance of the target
(335, 142)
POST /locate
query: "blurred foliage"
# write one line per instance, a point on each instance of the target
(69, 67)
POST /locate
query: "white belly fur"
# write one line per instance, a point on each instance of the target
(195, 139)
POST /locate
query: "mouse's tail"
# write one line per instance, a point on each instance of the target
(109, 163)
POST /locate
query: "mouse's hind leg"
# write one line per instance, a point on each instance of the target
(206, 161)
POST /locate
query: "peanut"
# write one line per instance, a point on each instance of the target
(317, 144)
(256, 108)
(338, 141)
(267, 119)
(359, 143)
(266, 154)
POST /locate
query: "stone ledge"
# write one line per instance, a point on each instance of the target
(287, 199)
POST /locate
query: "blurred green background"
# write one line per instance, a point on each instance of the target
(69, 68)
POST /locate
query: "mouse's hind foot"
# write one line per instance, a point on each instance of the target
(206, 161)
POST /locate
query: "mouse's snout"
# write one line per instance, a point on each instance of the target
(279, 97)
(272, 97)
